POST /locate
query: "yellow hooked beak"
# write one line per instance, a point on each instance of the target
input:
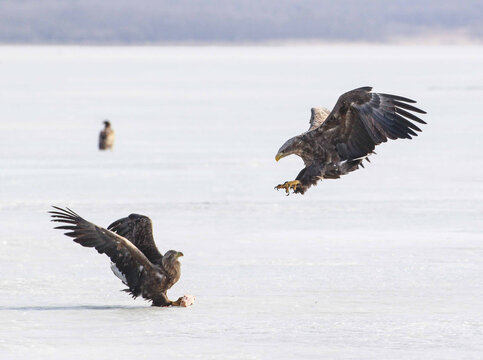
(279, 156)
(180, 254)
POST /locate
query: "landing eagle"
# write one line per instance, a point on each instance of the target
(338, 141)
(135, 259)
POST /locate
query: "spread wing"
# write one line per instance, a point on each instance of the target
(361, 120)
(317, 117)
(128, 259)
(139, 230)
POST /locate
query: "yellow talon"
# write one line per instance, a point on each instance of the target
(287, 185)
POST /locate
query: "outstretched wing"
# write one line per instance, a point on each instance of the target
(128, 259)
(317, 117)
(139, 230)
(361, 120)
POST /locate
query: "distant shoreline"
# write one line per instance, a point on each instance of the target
(416, 40)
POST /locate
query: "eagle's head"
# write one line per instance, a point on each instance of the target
(170, 260)
(291, 146)
(106, 123)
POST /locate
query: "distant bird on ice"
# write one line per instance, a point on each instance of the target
(106, 137)
(339, 140)
(135, 259)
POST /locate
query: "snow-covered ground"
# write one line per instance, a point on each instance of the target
(385, 263)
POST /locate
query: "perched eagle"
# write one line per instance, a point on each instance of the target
(106, 137)
(338, 141)
(134, 256)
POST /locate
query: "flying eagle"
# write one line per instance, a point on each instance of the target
(106, 137)
(135, 259)
(338, 141)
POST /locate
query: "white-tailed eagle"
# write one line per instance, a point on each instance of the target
(338, 141)
(135, 259)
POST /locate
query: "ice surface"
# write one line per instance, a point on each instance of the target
(385, 263)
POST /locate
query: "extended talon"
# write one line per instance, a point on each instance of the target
(287, 185)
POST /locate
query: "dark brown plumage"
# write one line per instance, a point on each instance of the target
(138, 229)
(337, 143)
(148, 274)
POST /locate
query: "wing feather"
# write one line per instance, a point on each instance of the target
(130, 261)
(361, 120)
(139, 230)
(317, 117)
(409, 115)
(408, 107)
(396, 97)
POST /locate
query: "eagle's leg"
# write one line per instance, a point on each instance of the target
(287, 185)
(177, 302)
(164, 301)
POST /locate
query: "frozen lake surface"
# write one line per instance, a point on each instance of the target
(385, 263)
